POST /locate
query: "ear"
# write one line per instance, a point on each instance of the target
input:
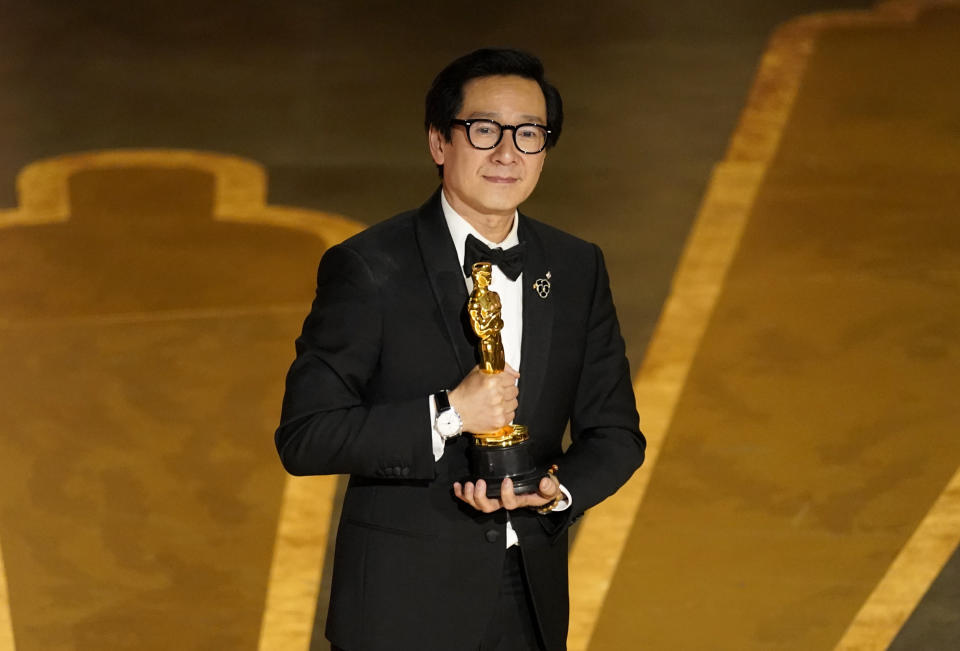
(437, 144)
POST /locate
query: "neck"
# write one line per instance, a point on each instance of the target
(494, 229)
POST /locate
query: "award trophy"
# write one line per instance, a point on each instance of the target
(505, 452)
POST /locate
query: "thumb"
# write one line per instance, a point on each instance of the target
(548, 487)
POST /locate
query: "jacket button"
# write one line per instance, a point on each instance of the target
(491, 535)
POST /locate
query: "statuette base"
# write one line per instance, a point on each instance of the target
(493, 464)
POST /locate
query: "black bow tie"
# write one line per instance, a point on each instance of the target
(509, 261)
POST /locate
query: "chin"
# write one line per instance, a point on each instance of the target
(507, 201)
(500, 207)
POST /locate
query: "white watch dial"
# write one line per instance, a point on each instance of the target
(448, 423)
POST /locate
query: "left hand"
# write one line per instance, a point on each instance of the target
(476, 495)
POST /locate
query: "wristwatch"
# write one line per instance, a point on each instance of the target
(447, 423)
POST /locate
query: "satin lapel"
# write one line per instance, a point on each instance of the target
(445, 276)
(537, 324)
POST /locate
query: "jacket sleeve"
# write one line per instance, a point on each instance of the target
(328, 423)
(607, 445)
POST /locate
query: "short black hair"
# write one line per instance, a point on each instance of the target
(445, 97)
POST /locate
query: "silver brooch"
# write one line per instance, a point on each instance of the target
(542, 286)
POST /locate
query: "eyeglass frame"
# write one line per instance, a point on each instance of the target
(503, 127)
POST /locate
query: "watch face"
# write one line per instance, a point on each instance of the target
(448, 424)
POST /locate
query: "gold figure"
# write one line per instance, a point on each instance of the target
(484, 308)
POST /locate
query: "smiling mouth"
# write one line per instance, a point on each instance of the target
(501, 179)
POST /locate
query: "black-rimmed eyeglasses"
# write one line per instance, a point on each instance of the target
(486, 134)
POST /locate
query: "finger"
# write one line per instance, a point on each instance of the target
(506, 383)
(484, 503)
(507, 496)
(467, 494)
(509, 370)
(549, 487)
(507, 394)
(547, 490)
(458, 489)
(533, 500)
(480, 495)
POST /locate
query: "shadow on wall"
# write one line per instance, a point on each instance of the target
(148, 302)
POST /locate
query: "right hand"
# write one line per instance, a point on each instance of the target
(486, 401)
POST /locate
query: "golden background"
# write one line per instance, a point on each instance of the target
(778, 216)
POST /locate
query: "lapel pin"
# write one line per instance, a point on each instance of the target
(542, 286)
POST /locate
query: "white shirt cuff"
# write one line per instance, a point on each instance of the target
(437, 439)
(565, 501)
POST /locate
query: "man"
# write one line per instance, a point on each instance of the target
(386, 378)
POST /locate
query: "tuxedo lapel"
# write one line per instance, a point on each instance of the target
(445, 276)
(537, 323)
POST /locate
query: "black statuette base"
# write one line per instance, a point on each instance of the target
(493, 465)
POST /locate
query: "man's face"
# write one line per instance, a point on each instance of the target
(480, 184)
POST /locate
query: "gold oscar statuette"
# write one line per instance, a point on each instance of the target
(504, 452)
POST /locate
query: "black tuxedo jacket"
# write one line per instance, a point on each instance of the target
(414, 567)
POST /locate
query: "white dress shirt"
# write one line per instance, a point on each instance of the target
(511, 300)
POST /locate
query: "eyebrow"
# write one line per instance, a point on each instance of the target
(496, 116)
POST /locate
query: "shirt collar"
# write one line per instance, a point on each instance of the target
(460, 228)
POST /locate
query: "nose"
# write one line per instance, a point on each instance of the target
(506, 150)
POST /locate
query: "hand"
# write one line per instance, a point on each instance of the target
(476, 495)
(486, 401)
